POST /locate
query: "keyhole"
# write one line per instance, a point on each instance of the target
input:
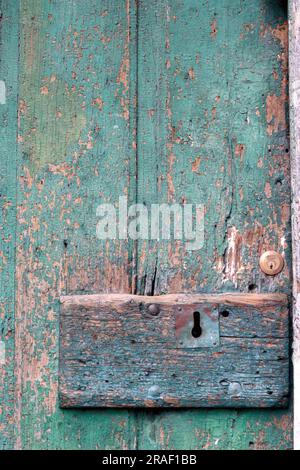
(197, 330)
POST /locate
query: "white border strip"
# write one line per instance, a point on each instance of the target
(294, 80)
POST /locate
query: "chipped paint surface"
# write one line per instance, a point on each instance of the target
(2, 353)
(2, 92)
(211, 128)
(72, 135)
(8, 72)
(219, 149)
(47, 100)
(168, 367)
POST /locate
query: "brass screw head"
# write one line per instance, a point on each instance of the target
(271, 263)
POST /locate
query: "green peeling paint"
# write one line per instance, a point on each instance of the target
(46, 100)
(208, 124)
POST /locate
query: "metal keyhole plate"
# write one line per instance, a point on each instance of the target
(197, 326)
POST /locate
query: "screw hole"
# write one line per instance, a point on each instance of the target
(252, 287)
(225, 313)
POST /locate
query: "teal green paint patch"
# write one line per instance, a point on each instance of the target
(2, 92)
(9, 30)
(2, 353)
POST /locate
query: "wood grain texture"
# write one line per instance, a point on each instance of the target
(76, 151)
(211, 125)
(294, 73)
(213, 130)
(223, 101)
(232, 298)
(8, 157)
(114, 353)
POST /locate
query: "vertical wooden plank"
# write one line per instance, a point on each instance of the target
(152, 129)
(216, 430)
(8, 146)
(221, 149)
(294, 71)
(223, 98)
(76, 149)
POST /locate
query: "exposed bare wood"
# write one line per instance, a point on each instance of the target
(224, 299)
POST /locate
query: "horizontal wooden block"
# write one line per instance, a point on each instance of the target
(135, 351)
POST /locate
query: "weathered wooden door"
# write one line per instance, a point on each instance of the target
(159, 101)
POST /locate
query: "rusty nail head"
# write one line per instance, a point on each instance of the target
(153, 309)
